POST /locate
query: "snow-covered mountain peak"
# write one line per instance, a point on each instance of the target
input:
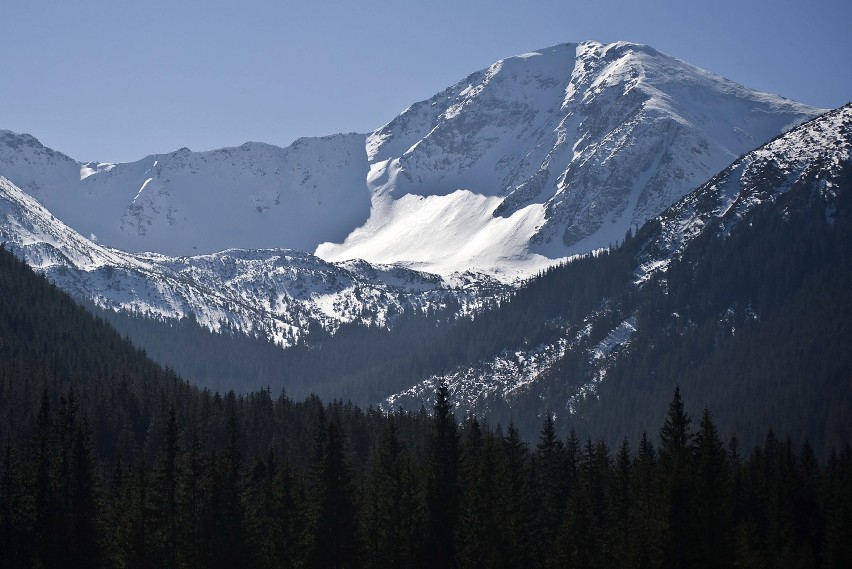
(564, 149)
(548, 154)
(181, 203)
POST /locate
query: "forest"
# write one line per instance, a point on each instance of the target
(752, 320)
(109, 460)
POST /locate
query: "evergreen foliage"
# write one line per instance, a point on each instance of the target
(752, 311)
(109, 460)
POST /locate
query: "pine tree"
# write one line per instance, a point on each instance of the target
(224, 540)
(442, 485)
(335, 544)
(165, 492)
(837, 540)
(263, 527)
(517, 504)
(391, 517)
(194, 483)
(648, 519)
(140, 546)
(288, 514)
(676, 442)
(714, 528)
(623, 499)
(577, 541)
(551, 486)
(13, 522)
(86, 544)
(676, 449)
(46, 499)
(479, 531)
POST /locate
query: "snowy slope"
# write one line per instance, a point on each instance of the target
(557, 152)
(819, 150)
(536, 158)
(817, 154)
(277, 294)
(183, 203)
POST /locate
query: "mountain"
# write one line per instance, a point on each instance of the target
(739, 292)
(538, 157)
(183, 203)
(278, 295)
(541, 156)
(553, 153)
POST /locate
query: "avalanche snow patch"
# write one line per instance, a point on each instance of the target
(445, 235)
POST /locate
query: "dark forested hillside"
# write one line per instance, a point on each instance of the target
(756, 325)
(368, 364)
(110, 461)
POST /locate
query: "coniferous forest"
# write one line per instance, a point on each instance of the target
(752, 320)
(111, 461)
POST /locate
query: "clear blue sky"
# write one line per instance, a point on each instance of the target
(115, 80)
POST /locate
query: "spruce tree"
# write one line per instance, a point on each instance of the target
(13, 521)
(288, 513)
(85, 508)
(676, 449)
(442, 484)
(165, 492)
(549, 459)
(714, 526)
(648, 517)
(622, 504)
(478, 535)
(391, 512)
(335, 542)
(517, 502)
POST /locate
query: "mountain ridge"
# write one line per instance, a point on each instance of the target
(604, 135)
(278, 294)
(550, 153)
(807, 168)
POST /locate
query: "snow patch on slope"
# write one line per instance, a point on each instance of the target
(276, 294)
(583, 141)
(445, 235)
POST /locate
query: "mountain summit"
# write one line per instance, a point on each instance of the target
(538, 157)
(552, 153)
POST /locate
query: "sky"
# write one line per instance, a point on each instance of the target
(117, 80)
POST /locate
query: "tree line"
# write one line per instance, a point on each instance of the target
(109, 460)
(345, 488)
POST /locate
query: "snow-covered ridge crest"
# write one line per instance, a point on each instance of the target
(182, 203)
(273, 293)
(817, 149)
(552, 153)
(816, 155)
